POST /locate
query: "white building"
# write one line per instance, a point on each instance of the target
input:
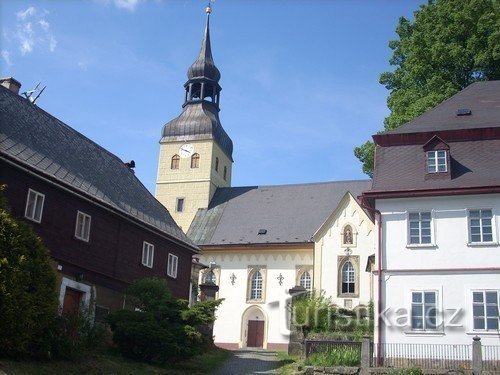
(436, 189)
(258, 239)
(263, 241)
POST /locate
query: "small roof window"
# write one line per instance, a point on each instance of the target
(464, 112)
(262, 231)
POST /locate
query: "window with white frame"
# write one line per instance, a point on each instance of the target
(419, 228)
(424, 310)
(485, 311)
(256, 286)
(173, 260)
(34, 206)
(82, 229)
(348, 278)
(148, 252)
(480, 225)
(305, 280)
(436, 161)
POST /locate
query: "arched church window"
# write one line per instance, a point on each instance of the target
(225, 173)
(305, 280)
(348, 278)
(195, 161)
(256, 286)
(217, 164)
(210, 278)
(347, 235)
(174, 164)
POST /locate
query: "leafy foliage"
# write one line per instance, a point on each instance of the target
(335, 357)
(449, 45)
(28, 303)
(164, 328)
(317, 318)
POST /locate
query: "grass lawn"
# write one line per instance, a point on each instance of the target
(289, 363)
(113, 363)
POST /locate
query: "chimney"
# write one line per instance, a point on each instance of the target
(12, 84)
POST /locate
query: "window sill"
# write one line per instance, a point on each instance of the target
(348, 295)
(424, 333)
(145, 265)
(172, 277)
(258, 301)
(482, 244)
(421, 246)
(483, 333)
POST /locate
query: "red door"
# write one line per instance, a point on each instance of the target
(255, 333)
(72, 299)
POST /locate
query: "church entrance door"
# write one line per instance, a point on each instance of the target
(255, 333)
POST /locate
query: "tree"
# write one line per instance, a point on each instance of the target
(28, 302)
(163, 328)
(449, 45)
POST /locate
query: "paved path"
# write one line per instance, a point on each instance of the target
(246, 362)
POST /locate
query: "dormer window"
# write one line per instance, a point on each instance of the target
(436, 161)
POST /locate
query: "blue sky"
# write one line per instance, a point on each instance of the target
(299, 78)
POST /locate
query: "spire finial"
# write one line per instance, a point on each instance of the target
(208, 10)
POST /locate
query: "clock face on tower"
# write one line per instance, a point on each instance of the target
(186, 150)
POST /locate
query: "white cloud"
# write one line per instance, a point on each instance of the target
(33, 30)
(44, 25)
(23, 14)
(6, 57)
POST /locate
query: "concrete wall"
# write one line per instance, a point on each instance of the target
(450, 265)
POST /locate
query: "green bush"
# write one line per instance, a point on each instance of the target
(336, 357)
(164, 328)
(71, 337)
(317, 318)
(28, 302)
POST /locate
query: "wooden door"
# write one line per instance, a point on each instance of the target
(255, 333)
(72, 299)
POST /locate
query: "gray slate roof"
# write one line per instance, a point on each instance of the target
(31, 137)
(198, 120)
(482, 98)
(289, 213)
(474, 160)
(204, 65)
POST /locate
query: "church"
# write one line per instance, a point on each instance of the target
(258, 241)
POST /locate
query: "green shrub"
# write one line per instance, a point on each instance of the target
(28, 302)
(336, 357)
(71, 337)
(164, 328)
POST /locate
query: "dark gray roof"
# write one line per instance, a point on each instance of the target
(473, 164)
(473, 141)
(198, 121)
(482, 98)
(289, 213)
(31, 137)
(204, 65)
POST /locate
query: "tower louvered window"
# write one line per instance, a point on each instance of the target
(175, 162)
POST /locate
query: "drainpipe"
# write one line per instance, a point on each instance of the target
(378, 215)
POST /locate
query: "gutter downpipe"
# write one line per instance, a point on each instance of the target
(379, 274)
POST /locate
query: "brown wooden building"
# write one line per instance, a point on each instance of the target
(102, 226)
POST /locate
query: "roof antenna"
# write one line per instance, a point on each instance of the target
(29, 94)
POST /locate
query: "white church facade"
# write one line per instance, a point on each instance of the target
(258, 241)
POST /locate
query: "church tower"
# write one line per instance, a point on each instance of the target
(195, 151)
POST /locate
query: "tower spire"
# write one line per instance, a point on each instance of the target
(204, 66)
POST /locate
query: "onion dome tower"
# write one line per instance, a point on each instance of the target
(195, 150)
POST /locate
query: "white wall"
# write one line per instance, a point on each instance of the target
(450, 250)
(328, 249)
(228, 327)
